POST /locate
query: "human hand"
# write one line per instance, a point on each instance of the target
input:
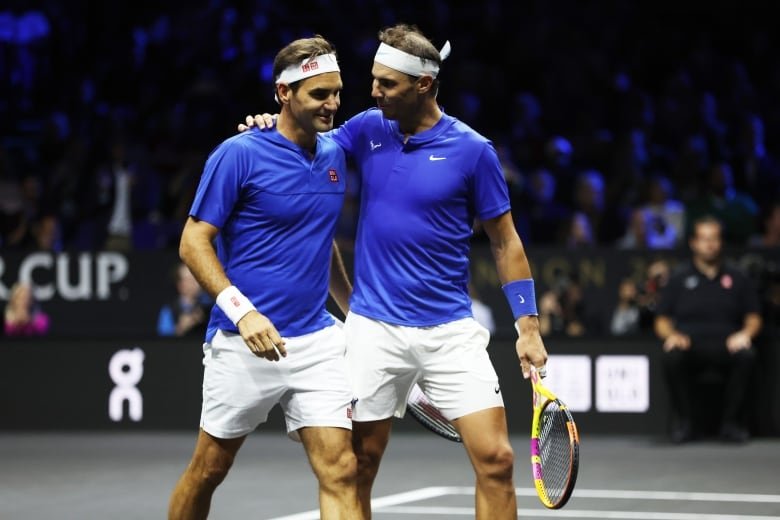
(676, 340)
(529, 345)
(261, 336)
(738, 341)
(261, 121)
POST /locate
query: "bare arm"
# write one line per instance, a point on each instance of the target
(197, 252)
(340, 287)
(512, 264)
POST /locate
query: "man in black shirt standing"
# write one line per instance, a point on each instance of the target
(707, 318)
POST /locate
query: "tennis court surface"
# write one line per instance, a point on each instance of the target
(130, 475)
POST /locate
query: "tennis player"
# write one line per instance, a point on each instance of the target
(270, 202)
(425, 176)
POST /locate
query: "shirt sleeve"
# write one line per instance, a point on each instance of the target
(346, 135)
(491, 195)
(220, 185)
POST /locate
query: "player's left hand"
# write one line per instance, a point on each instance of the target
(529, 345)
(261, 121)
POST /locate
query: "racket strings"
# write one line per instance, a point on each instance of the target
(425, 412)
(555, 451)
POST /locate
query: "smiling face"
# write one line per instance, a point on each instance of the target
(314, 102)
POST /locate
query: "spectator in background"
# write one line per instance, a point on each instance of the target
(666, 214)
(576, 232)
(23, 316)
(636, 236)
(543, 215)
(734, 209)
(561, 309)
(657, 276)
(188, 314)
(707, 318)
(625, 317)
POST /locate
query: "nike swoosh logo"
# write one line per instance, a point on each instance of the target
(374, 146)
(434, 158)
(497, 389)
(522, 300)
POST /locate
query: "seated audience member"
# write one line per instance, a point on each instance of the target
(625, 316)
(188, 314)
(23, 317)
(707, 318)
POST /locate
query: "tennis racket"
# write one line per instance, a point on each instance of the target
(421, 408)
(555, 446)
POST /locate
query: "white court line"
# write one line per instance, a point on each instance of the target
(625, 494)
(576, 513)
(385, 504)
(389, 500)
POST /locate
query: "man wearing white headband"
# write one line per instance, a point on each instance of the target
(269, 202)
(425, 177)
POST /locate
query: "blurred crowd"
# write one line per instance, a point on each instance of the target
(618, 123)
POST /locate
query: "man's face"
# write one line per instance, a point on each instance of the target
(394, 91)
(706, 242)
(316, 102)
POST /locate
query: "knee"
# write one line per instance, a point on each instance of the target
(367, 464)
(211, 471)
(339, 470)
(496, 464)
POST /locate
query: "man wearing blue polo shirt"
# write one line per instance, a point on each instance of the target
(259, 239)
(425, 177)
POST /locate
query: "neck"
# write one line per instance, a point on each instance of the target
(294, 133)
(423, 118)
(709, 269)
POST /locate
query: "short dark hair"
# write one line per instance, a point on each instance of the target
(705, 219)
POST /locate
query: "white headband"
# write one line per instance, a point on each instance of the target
(308, 68)
(409, 63)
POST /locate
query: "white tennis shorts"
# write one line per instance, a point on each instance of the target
(310, 384)
(449, 362)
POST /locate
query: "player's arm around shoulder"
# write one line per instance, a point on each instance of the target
(514, 271)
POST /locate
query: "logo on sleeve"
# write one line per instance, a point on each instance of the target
(334, 177)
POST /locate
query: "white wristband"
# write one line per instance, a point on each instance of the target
(234, 304)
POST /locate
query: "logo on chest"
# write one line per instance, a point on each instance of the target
(333, 175)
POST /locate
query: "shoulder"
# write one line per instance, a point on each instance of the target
(465, 133)
(372, 117)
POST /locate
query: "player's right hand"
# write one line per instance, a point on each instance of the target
(261, 336)
(261, 121)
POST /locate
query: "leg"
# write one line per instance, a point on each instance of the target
(676, 365)
(369, 440)
(486, 441)
(191, 498)
(738, 378)
(335, 466)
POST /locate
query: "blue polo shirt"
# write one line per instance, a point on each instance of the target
(276, 209)
(418, 202)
